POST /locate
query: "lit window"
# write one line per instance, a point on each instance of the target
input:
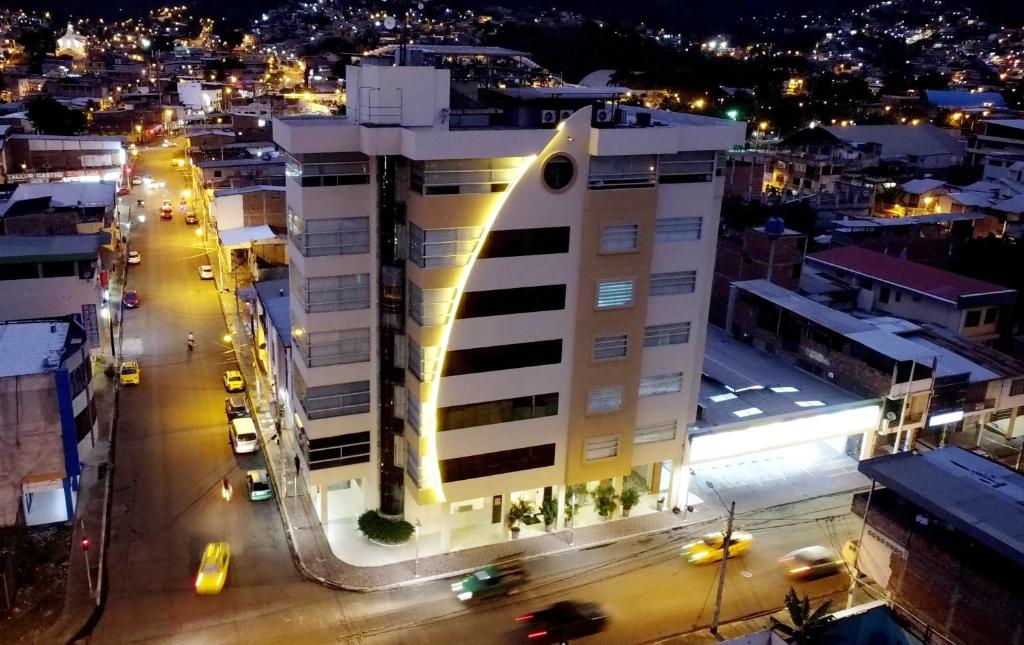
(810, 404)
(605, 399)
(619, 238)
(661, 384)
(747, 412)
(614, 293)
(601, 448)
(607, 347)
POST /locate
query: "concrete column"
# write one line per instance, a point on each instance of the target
(867, 444)
(982, 422)
(1012, 423)
(560, 497)
(446, 527)
(325, 514)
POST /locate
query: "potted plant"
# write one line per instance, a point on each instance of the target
(519, 509)
(661, 503)
(605, 501)
(629, 498)
(571, 506)
(549, 509)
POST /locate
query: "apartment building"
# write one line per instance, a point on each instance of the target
(492, 303)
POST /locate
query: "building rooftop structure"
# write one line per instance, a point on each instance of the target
(976, 496)
(15, 249)
(964, 99)
(901, 141)
(225, 192)
(31, 347)
(274, 296)
(63, 195)
(921, 186)
(920, 278)
(230, 163)
(737, 378)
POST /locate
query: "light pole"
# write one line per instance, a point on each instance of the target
(725, 559)
(572, 522)
(416, 530)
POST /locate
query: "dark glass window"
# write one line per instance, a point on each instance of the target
(990, 315)
(497, 463)
(85, 420)
(19, 271)
(342, 450)
(504, 302)
(485, 413)
(526, 241)
(558, 172)
(502, 357)
(973, 318)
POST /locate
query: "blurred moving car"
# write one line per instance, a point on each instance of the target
(259, 485)
(213, 568)
(130, 299)
(492, 580)
(190, 218)
(236, 407)
(811, 562)
(233, 381)
(206, 272)
(562, 621)
(130, 373)
(136, 181)
(711, 547)
(134, 257)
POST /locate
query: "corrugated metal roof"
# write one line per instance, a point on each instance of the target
(29, 248)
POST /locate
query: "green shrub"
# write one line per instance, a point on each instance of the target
(519, 509)
(549, 509)
(605, 500)
(384, 530)
(630, 497)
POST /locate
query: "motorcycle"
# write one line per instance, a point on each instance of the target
(191, 344)
(141, 203)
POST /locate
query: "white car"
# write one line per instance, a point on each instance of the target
(134, 257)
(136, 181)
(206, 272)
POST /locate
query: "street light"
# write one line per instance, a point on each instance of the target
(416, 530)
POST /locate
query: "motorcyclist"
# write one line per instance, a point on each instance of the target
(141, 203)
(191, 340)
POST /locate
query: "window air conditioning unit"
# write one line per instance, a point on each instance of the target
(603, 116)
(564, 114)
(548, 117)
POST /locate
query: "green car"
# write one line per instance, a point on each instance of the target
(492, 580)
(259, 485)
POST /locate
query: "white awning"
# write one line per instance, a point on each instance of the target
(243, 236)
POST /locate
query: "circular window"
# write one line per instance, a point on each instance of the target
(558, 172)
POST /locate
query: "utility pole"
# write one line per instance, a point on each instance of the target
(721, 573)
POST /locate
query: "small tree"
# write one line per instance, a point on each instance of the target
(49, 116)
(809, 627)
(519, 509)
(549, 509)
(605, 500)
(629, 498)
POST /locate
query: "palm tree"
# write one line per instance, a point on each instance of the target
(809, 627)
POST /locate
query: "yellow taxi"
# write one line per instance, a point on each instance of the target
(711, 547)
(130, 373)
(213, 569)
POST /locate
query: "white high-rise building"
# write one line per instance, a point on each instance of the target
(494, 297)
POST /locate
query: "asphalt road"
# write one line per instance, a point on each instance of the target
(172, 452)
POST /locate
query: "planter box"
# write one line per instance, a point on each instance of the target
(384, 544)
(514, 533)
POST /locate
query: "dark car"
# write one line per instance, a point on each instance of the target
(130, 299)
(236, 407)
(563, 621)
(191, 219)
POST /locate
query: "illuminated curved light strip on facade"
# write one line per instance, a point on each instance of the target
(430, 469)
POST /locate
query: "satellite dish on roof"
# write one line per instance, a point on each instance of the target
(389, 23)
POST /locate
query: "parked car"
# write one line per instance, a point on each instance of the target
(136, 181)
(134, 257)
(124, 190)
(206, 272)
(562, 621)
(811, 562)
(258, 484)
(236, 407)
(213, 568)
(711, 547)
(130, 299)
(242, 435)
(492, 580)
(190, 218)
(233, 381)
(130, 374)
